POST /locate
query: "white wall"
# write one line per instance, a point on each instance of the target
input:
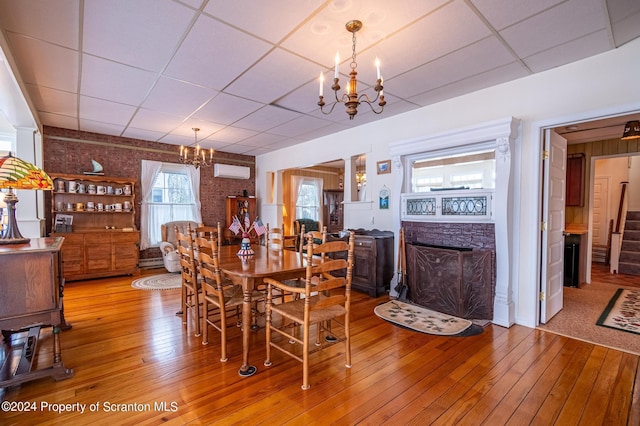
(595, 87)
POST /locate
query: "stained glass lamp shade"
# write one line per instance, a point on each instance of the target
(18, 174)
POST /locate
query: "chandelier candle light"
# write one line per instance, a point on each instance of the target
(350, 96)
(199, 157)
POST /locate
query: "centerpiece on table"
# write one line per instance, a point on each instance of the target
(245, 227)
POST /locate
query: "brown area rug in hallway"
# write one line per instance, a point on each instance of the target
(582, 308)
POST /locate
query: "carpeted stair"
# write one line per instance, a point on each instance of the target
(630, 251)
(599, 254)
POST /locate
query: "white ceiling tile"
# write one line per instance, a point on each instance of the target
(105, 111)
(207, 128)
(574, 50)
(59, 120)
(619, 10)
(209, 55)
(264, 139)
(141, 33)
(144, 134)
(321, 37)
(177, 97)
(565, 22)
(266, 118)
(502, 13)
(195, 4)
(231, 135)
(52, 100)
(45, 64)
(35, 19)
(266, 82)
(300, 125)
(626, 29)
(110, 80)
(430, 38)
(100, 127)
(484, 55)
(157, 121)
(290, 15)
(237, 149)
(227, 109)
(471, 84)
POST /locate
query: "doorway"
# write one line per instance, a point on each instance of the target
(594, 139)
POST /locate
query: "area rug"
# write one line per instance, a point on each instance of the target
(421, 319)
(158, 282)
(622, 312)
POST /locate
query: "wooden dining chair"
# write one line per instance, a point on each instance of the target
(274, 239)
(190, 284)
(317, 237)
(221, 300)
(326, 297)
(209, 232)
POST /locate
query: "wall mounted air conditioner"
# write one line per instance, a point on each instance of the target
(231, 172)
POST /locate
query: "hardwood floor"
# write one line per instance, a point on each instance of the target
(128, 347)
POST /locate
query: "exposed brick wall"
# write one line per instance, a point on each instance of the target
(467, 235)
(121, 157)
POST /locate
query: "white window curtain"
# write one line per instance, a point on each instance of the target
(307, 195)
(152, 214)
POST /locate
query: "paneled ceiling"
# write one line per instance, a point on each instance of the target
(246, 71)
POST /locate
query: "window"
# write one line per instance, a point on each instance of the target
(170, 192)
(474, 170)
(307, 192)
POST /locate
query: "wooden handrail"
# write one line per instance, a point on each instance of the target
(624, 190)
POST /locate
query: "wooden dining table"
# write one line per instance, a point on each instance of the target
(249, 271)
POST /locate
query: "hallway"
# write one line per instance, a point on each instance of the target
(583, 306)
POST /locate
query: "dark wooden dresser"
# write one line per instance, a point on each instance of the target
(373, 260)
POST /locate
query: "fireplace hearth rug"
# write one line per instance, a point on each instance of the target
(622, 312)
(421, 319)
(158, 282)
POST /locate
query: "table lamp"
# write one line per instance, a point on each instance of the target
(18, 174)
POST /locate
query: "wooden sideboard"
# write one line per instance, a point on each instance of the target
(373, 260)
(32, 285)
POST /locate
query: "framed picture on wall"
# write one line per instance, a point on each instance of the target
(384, 167)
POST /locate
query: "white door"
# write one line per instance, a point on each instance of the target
(553, 199)
(600, 211)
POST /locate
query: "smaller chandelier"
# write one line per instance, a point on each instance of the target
(350, 97)
(198, 158)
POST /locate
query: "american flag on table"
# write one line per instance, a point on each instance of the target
(235, 226)
(247, 223)
(259, 227)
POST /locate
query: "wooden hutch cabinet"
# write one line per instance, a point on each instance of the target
(333, 210)
(239, 206)
(102, 239)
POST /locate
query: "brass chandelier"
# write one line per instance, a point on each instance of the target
(198, 158)
(350, 97)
